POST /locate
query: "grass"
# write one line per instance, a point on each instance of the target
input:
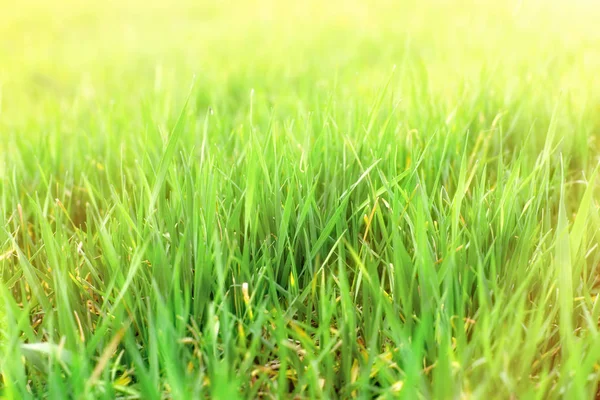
(276, 200)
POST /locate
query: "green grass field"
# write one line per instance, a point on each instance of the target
(299, 199)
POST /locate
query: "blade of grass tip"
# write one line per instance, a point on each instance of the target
(284, 225)
(565, 271)
(169, 153)
(360, 179)
(579, 225)
(375, 109)
(203, 146)
(251, 184)
(460, 193)
(136, 263)
(551, 131)
(338, 213)
(31, 276)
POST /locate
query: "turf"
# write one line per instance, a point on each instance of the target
(299, 200)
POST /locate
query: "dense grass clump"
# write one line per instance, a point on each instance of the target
(277, 200)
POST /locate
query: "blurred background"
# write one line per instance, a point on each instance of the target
(63, 62)
(70, 48)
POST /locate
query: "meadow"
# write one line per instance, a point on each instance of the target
(276, 199)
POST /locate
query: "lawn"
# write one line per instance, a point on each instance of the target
(277, 199)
